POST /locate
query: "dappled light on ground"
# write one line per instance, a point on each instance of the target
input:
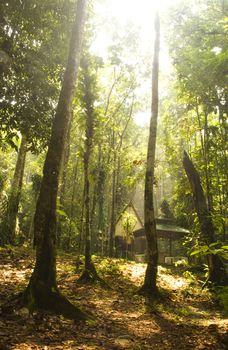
(185, 319)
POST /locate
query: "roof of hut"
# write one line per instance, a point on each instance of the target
(163, 225)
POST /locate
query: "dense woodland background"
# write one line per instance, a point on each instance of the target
(104, 160)
(192, 117)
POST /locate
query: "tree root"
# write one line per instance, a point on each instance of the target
(91, 276)
(148, 291)
(52, 301)
(62, 306)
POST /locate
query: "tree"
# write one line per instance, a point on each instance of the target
(200, 106)
(42, 291)
(217, 272)
(29, 35)
(8, 226)
(29, 80)
(89, 273)
(149, 286)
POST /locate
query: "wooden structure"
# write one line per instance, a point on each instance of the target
(130, 240)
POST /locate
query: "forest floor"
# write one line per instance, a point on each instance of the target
(186, 317)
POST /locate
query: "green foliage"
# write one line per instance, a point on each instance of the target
(34, 38)
(115, 148)
(129, 221)
(194, 112)
(61, 212)
(33, 42)
(189, 276)
(109, 267)
(214, 248)
(181, 262)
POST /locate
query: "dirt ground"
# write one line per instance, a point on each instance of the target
(185, 318)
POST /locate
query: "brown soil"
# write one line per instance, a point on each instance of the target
(185, 318)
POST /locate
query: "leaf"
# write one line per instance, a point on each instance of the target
(202, 250)
(214, 244)
(61, 212)
(196, 252)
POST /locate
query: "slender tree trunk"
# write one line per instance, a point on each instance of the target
(92, 216)
(88, 149)
(81, 227)
(87, 213)
(100, 223)
(217, 273)
(115, 181)
(149, 286)
(72, 201)
(100, 230)
(90, 273)
(42, 291)
(9, 224)
(113, 203)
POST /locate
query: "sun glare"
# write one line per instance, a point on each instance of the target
(141, 14)
(142, 118)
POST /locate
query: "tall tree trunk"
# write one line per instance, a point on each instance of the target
(101, 223)
(42, 291)
(72, 202)
(100, 231)
(149, 285)
(90, 272)
(9, 224)
(113, 203)
(87, 154)
(217, 273)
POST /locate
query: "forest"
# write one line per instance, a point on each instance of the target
(113, 174)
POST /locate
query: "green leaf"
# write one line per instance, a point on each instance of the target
(195, 252)
(61, 212)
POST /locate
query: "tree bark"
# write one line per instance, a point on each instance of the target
(9, 224)
(42, 291)
(113, 202)
(62, 189)
(100, 227)
(94, 237)
(74, 181)
(81, 239)
(149, 286)
(87, 154)
(217, 273)
(89, 273)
